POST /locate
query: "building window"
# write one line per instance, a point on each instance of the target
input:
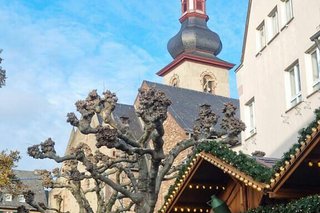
(261, 36)
(21, 199)
(174, 81)
(200, 5)
(208, 83)
(184, 6)
(7, 197)
(288, 10)
(250, 117)
(294, 85)
(315, 59)
(274, 23)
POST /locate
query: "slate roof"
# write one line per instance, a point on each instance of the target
(33, 183)
(186, 102)
(206, 55)
(266, 161)
(194, 35)
(123, 110)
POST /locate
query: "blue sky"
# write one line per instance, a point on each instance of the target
(55, 52)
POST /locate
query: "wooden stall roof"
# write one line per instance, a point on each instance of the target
(289, 172)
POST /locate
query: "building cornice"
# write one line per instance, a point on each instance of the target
(198, 59)
(245, 36)
(193, 14)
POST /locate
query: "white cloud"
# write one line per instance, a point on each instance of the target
(50, 65)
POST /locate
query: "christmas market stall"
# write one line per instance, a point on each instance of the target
(217, 176)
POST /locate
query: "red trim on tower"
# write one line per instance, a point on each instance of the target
(187, 57)
(193, 14)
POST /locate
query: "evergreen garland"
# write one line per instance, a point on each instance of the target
(309, 204)
(241, 161)
(302, 137)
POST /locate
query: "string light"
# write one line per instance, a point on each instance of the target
(189, 209)
(204, 187)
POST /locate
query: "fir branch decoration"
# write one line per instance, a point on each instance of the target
(309, 204)
(240, 161)
(303, 133)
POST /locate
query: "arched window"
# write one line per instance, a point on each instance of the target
(200, 5)
(174, 81)
(184, 6)
(208, 83)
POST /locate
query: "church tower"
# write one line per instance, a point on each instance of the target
(194, 50)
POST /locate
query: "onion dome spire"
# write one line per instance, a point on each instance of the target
(194, 36)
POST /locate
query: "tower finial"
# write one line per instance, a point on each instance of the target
(193, 8)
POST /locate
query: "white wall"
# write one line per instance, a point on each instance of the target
(262, 76)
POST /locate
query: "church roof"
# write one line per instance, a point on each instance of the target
(123, 110)
(194, 35)
(185, 103)
(32, 182)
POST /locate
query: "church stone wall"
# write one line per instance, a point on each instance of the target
(173, 134)
(190, 76)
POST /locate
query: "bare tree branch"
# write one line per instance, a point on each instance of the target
(134, 177)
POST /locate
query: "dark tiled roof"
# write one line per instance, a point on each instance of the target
(206, 55)
(33, 183)
(268, 162)
(185, 103)
(128, 111)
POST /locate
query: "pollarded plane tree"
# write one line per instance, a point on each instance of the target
(136, 175)
(2, 73)
(8, 161)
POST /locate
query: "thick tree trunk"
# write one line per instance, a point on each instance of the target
(144, 207)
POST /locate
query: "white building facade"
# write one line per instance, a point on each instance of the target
(279, 75)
